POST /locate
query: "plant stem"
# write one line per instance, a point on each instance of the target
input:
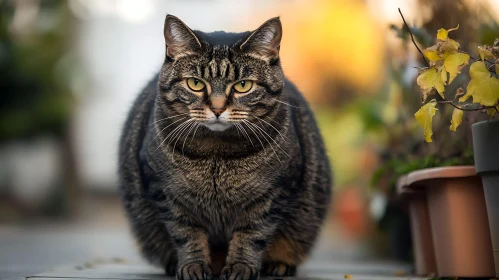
(464, 109)
(412, 38)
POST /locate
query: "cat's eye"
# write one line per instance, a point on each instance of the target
(243, 86)
(195, 84)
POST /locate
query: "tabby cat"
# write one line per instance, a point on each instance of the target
(222, 167)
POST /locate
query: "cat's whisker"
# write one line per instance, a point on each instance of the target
(277, 144)
(193, 124)
(258, 138)
(277, 100)
(246, 133)
(164, 129)
(185, 126)
(257, 129)
(178, 129)
(238, 131)
(169, 134)
(282, 135)
(195, 130)
(163, 119)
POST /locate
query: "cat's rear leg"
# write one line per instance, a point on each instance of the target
(282, 257)
(162, 254)
(156, 245)
(171, 264)
(278, 269)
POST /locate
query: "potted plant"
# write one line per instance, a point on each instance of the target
(485, 144)
(450, 192)
(406, 209)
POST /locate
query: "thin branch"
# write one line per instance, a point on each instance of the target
(412, 38)
(464, 109)
(490, 68)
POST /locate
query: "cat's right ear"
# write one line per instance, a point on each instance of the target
(179, 39)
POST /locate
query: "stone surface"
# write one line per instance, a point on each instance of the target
(102, 248)
(127, 271)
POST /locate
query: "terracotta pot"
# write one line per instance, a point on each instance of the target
(458, 218)
(486, 151)
(424, 252)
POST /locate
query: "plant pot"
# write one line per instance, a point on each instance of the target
(424, 252)
(458, 218)
(486, 152)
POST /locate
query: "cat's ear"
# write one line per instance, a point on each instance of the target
(264, 43)
(179, 39)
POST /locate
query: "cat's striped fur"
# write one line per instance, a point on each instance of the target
(239, 202)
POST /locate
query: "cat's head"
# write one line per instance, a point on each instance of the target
(221, 79)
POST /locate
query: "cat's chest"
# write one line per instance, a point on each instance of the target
(223, 182)
(219, 190)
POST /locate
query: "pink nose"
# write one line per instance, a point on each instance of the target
(217, 111)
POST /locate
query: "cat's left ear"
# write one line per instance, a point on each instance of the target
(264, 43)
(179, 38)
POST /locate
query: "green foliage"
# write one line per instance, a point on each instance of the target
(396, 167)
(36, 98)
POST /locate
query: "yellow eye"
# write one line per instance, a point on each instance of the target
(195, 84)
(243, 86)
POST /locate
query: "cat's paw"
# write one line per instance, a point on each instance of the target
(278, 269)
(195, 271)
(239, 271)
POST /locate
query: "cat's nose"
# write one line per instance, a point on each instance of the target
(217, 111)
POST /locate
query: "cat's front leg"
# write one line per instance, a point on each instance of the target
(245, 252)
(194, 262)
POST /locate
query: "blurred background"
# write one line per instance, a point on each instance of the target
(69, 71)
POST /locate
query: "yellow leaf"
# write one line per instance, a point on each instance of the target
(492, 112)
(454, 63)
(432, 55)
(497, 67)
(429, 79)
(443, 34)
(457, 119)
(484, 53)
(424, 116)
(443, 75)
(447, 47)
(482, 87)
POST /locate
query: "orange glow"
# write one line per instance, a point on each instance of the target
(328, 41)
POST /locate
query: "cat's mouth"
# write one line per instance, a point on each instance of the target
(217, 125)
